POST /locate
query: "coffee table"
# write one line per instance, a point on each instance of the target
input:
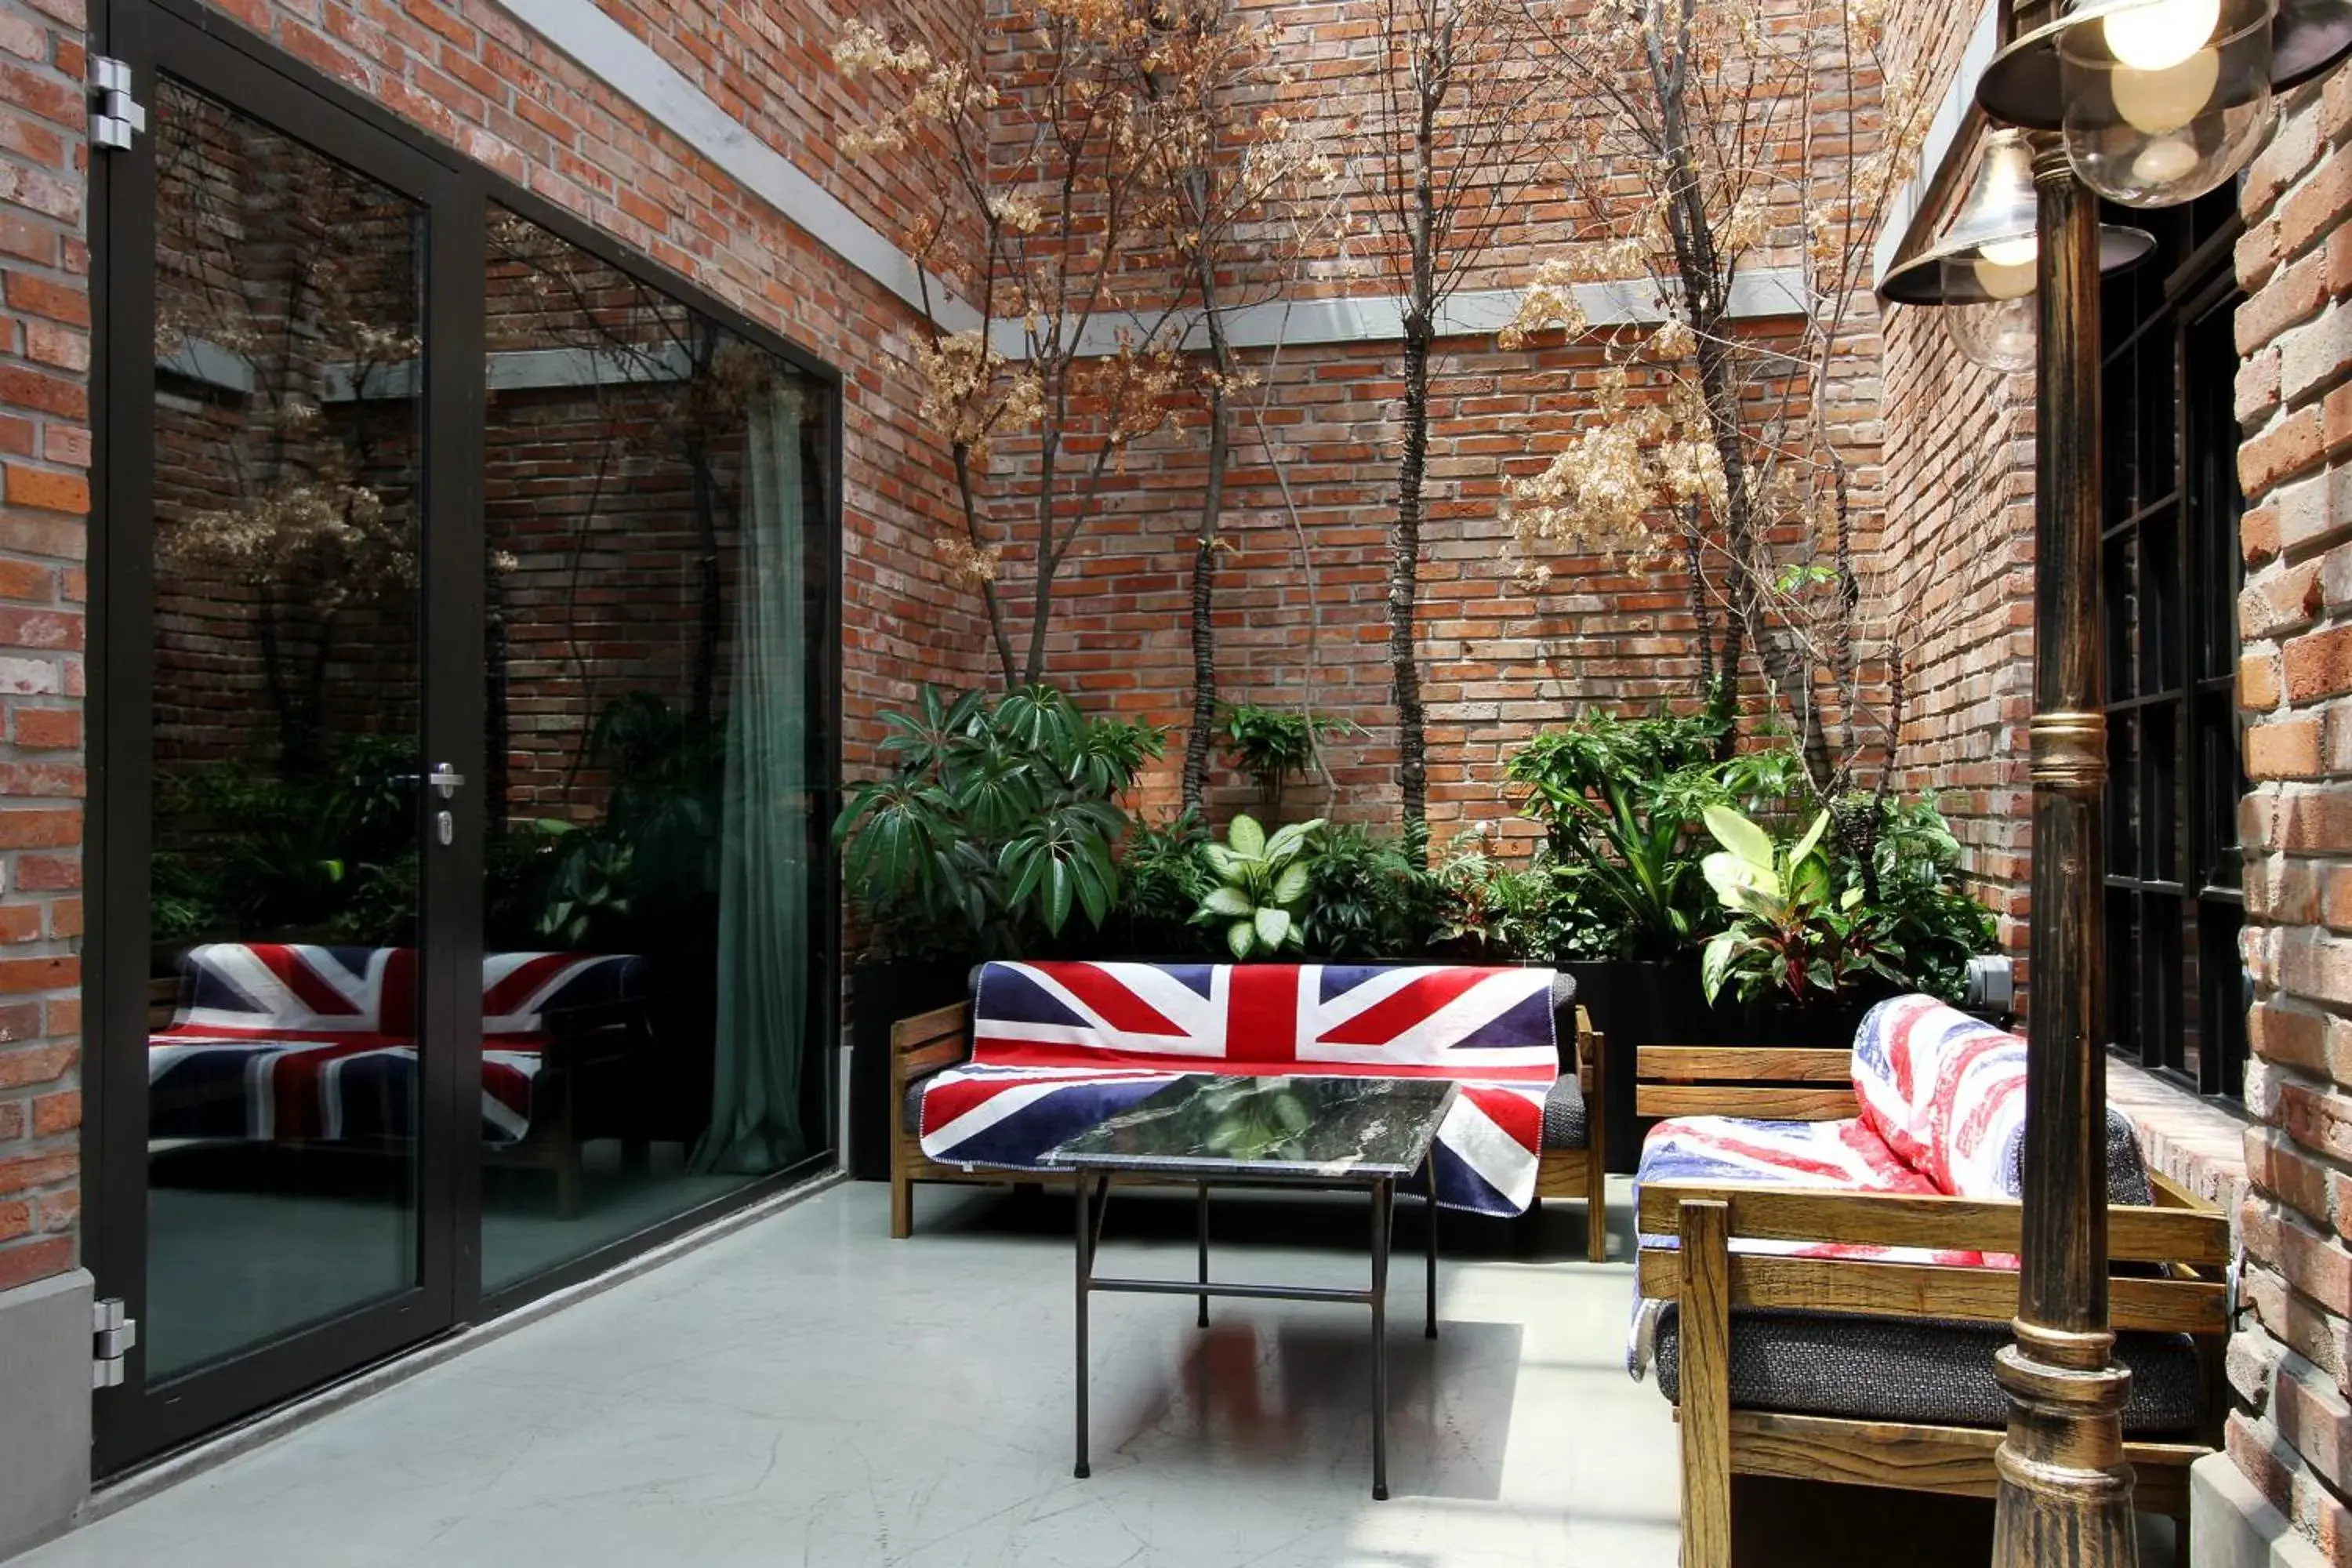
(1223, 1131)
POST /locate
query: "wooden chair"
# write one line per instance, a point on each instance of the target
(1584, 1173)
(2185, 1243)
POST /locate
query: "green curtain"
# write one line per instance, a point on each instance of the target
(764, 879)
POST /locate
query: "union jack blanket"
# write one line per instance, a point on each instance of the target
(276, 1040)
(1058, 1048)
(1848, 1156)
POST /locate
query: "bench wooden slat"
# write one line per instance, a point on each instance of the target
(1764, 1104)
(1928, 1290)
(1743, 1064)
(1899, 1219)
(1957, 1461)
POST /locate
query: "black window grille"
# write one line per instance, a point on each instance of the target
(2177, 991)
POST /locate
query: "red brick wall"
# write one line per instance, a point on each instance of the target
(2293, 1364)
(1302, 613)
(1959, 542)
(45, 451)
(1303, 620)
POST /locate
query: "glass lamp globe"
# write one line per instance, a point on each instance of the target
(2165, 100)
(1999, 335)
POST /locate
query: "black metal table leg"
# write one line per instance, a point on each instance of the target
(1428, 1318)
(1383, 1203)
(1083, 1184)
(1200, 1227)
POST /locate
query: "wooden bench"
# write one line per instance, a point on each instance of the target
(2184, 1242)
(928, 1041)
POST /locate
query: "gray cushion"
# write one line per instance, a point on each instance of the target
(1892, 1369)
(1565, 1125)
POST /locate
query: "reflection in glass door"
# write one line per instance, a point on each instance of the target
(654, 502)
(282, 1175)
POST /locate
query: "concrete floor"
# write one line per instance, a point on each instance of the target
(808, 1391)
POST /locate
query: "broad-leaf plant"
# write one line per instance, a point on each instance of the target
(1001, 819)
(1261, 886)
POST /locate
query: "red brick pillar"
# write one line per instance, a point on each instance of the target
(2290, 1447)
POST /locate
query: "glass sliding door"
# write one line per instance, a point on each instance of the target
(283, 1162)
(655, 506)
(462, 749)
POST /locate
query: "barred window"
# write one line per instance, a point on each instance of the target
(2176, 991)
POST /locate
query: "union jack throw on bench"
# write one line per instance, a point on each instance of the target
(1057, 1048)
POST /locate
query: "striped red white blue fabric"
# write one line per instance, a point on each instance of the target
(1846, 1156)
(275, 1040)
(1947, 1093)
(1059, 1048)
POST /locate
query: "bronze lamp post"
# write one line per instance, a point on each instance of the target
(2150, 103)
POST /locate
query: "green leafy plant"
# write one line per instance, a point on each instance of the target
(587, 886)
(1490, 907)
(1163, 872)
(1000, 819)
(1366, 897)
(1262, 883)
(1913, 883)
(257, 855)
(1271, 746)
(1793, 934)
(181, 902)
(1617, 799)
(1622, 802)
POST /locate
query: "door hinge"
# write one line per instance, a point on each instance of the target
(111, 1335)
(116, 116)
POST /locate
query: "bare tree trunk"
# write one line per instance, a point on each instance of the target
(997, 634)
(1204, 595)
(1213, 506)
(1412, 466)
(1405, 587)
(1049, 560)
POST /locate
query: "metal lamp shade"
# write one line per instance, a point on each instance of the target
(2000, 209)
(2022, 85)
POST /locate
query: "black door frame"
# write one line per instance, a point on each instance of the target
(221, 58)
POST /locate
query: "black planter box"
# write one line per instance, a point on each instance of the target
(879, 995)
(1660, 1003)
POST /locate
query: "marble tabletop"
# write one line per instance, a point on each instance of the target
(1209, 1124)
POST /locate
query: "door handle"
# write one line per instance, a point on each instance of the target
(446, 780)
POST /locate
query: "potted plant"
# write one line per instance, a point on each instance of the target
(1271, 746)
(1810, 945)
(996, 833)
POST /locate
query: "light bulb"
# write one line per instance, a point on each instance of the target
(1999, 282)
(2159, 36)
(2158, 101)
(2009, 252)
(2165, 160)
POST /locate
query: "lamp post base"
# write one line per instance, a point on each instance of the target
(2065, 1497)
